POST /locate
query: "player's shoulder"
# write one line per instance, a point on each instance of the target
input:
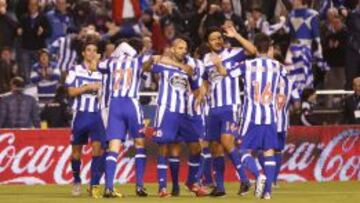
(312, 12)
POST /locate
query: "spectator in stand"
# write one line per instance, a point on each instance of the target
(56, 113)
(33, 31)
(45, 75)
(8, 69)
(228, 14)
(307, 105)
(257, 23)
(334, 37)
(352, 68)
(60, 20)
(18, 110)
(8, 25)
(352, 105)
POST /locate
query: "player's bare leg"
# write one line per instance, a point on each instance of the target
(140, 163)
(76, 151)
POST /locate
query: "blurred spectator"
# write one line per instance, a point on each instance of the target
(64, 50)
(147, 46)
(108, 50)
(56, 113)
(257, 23)
(124, 10)
(33, 31)
(84, 14)
(60, 20)
(214, 17)
(18, 110)
(8, 69)
(45, 75)
(334, 37)
(352, 104)
(307, 105)
(228, 14)
(8, 24)
(352, 68)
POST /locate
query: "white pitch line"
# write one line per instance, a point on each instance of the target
(309, 192)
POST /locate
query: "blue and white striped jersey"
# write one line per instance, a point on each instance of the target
(77, 77)
(174, 86)
(301, 70)
(66, 55)
(261, 78)
(197, 81)
(287, 94)
(224, 90)
(125, 75)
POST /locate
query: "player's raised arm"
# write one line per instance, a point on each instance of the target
(231, 32)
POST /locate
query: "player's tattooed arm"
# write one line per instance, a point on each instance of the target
(76, 91)
(215, 58)
(249, 47)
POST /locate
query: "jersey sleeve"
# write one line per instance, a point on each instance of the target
(70, 79)
(157, 68)
(237, 70)
(197, 79)
(238, 54)
(104, 66)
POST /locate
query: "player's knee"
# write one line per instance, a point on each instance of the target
(269, 152)
(76, 151)
(139, 143)
(194, 148)
(114, 145)
(96, 148)
(204, 144)
(175, 149)
(216, 149)
(163, 149)
(227, 142)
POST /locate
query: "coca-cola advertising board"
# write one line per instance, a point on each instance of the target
(329, 153)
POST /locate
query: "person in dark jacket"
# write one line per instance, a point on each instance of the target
(33, 31)
(18, 110)
(56, 113)
(352, 67)
(8, 25)
(352, 105)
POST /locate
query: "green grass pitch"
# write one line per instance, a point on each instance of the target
(311, 192)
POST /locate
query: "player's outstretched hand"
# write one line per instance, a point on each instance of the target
(230, 31)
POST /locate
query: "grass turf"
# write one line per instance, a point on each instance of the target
(311, 192)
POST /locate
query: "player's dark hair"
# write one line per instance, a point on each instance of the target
(211, 30)
(88, 43)
(136, 43)
(262, 42)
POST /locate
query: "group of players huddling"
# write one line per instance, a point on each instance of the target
(198, 103)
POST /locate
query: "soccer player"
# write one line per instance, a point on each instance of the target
(193, 133)
(287, 94)
(83, 83)
(172, 123)
(224, 101)
(261, 78)
(125, 115)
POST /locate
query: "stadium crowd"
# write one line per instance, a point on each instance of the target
(40, 40)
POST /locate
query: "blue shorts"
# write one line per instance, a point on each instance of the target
(125, 118)
(194, 131)
(87, 125)
(260, 137)
(174, 127)
(222, 120)
(281, 140)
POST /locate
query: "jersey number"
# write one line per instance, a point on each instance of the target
(121, 76)
(264, 97)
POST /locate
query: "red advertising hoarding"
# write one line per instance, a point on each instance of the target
(329, 153)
